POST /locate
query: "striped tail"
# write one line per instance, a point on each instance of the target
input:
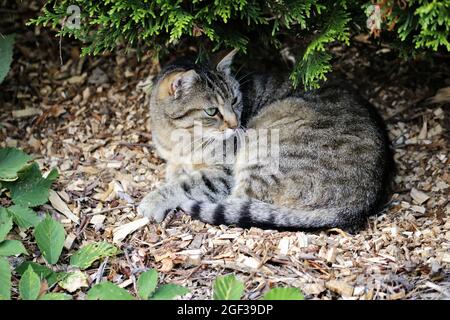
(248, 213)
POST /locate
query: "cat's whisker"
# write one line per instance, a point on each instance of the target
(203, 144)
(239, 70)
(245, 82)
(245, 76)
(196, 140)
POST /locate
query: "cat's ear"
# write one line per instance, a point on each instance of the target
(176, 83)
(224, 65)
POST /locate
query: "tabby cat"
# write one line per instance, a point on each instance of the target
(333, 159)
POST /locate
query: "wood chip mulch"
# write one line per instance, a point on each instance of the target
(89, 118)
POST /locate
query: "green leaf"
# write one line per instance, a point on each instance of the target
(6, 54)
(31, 189)
(84, 257)
(42, 271)
(56, 296)
(11, 159)
(108, 291)
(29, 285)
(228, 288)
(73, 281)
(283, 294)
(49, 236)
(5, 279)
(24, 217)
(12, 248)
(168, 292)
(5, 224)
(147, 283)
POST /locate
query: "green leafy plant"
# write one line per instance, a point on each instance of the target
(50, 235)
(43, 272)
(11, 161)
(30, 288)
(27, 188)
(29, 285)
(108, 291)
(31, 189)
(18, 172)
(5, 279)
(230, 288)
(308, 27)
(12, 248)
(84, 257)
(147, 283)
(418, 24)
(147, 289)
(6, 55)
(283, 294)
(33, 274)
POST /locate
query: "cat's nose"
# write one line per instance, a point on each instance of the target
(232, 123)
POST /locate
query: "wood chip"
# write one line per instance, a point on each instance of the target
(423, 131)
(340, 287)
(27, 112)
(126, 283)
(249, 262)
(61, 206)
(69, 240)
(419, 196)
(331, 254)
(122, 231)
(283, 246)
(397, 296)
(167, 265)
(97, 219)
(313, 288)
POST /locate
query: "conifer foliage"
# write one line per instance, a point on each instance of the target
(311, 25)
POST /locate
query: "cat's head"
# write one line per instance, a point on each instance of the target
(189, 94)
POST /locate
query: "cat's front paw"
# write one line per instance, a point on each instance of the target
(154, 206)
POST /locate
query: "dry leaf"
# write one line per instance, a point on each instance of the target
(340, 287)
(419, 196)
(167, 265)
(122, 231)
(69, 240)
(61, 206)
(442, 96)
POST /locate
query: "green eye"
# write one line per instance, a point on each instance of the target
(211, 111)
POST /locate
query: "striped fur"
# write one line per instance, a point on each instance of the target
(334, 165)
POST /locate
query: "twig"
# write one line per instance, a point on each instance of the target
(437, 288)
(129, 144)
(109, 209)
(101, 270)
(60, 41)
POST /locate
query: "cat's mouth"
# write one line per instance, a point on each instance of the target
(228, 133)
(223, 135)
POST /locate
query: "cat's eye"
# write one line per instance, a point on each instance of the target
(235, 99)
(211, 111)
